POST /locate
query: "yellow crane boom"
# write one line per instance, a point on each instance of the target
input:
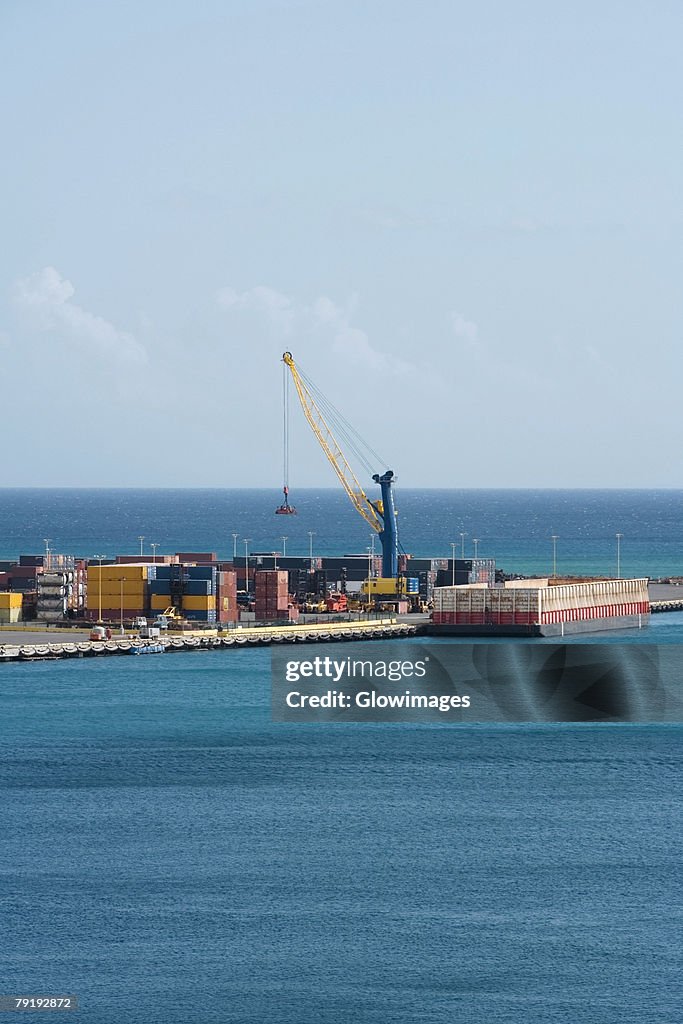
(370, 511)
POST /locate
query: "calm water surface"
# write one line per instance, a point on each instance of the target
(515, 527)
(172, 856)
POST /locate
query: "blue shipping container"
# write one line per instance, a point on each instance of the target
(200, 588)
(201, 572)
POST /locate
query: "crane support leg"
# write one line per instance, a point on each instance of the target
(388, 535)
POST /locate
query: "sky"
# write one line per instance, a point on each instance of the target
(464, 220)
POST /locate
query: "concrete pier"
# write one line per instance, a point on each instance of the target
(257, 636)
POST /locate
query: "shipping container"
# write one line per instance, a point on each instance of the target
(113, 613)
(23, 584)
(24, 572)
(115, 571)
(201, 572)
(198, 604)
(414, 565)
(110, 598)
(196, 556)
(197, 588)
(200, 616)
(271, 577)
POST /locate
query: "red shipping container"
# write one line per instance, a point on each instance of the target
(196, 556)
(25, 572)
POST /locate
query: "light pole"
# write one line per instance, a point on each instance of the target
(619, 536)
(234, 547)
(475, 541)
(154, 552)
(554, 539)
(453, 562)
(369, 551)
(100, 559)
(123, 580)
(311, 535)
(284, 545)
(141, 539)
(462, 545)
(47, 552)
(246, 564)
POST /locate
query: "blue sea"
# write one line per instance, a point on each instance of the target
(514, 527)
(172, 856)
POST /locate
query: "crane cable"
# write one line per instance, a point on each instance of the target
(366, 455)
(285, 426)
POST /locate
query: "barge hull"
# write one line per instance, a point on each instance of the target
(556, 629)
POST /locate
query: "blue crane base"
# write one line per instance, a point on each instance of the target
(389, 534)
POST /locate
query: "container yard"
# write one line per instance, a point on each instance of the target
(197, 589)
(176, 595)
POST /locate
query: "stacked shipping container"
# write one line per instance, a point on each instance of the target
(10, 607)
(119, 590)
(272, 595)
(190, 589)
(55, 593)
(226, 597)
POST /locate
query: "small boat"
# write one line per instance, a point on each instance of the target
(148, 649)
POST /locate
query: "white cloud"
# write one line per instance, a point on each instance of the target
(352, 342)
(322, 317)
(279, 308)
(45, 300)
(466, 330)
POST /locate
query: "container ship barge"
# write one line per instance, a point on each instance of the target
(542, 607)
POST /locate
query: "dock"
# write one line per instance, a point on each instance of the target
(256, 636)
(666, 606)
